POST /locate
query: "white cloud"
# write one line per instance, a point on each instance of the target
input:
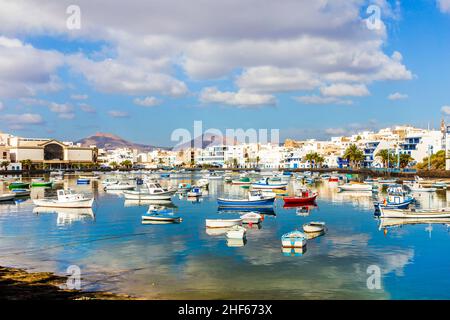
(25, 70)
(345, 89)
(315, 99)
(147, 102)
(79, 96)
(118, 114)
(239, 99)
(20, 121)
(397, 96)
(87, 108)
(446, 110)
(270, 46)
(444, 5)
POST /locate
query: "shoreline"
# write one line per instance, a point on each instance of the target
(19, 284)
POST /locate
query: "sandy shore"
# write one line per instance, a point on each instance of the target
(18, 284)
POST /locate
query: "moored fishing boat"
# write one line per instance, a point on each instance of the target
(21, 192)
(293, 239)
(18, 185)
(120, 185)
(414, 213)
(265, 184)
(314, 227)
(83, 181)
(66, 199)
(160, 216)
(194, 192)
(154, 191)
(236, 232)
(7, 196)
(222, 223)
(305, 197)
(355, 187)
(255, 199)
(202, 183)
(41, 183)
(251, 217)
(214, 176)
(242, 181)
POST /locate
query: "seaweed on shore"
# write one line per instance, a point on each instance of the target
(18, 284)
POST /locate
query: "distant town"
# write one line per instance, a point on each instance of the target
(396, 147)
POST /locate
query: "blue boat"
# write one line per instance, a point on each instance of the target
(264, 184)
(397, 199)
(161, 216)
(255, 199)
(83, 181)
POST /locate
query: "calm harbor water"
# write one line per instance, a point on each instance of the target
(116, 252)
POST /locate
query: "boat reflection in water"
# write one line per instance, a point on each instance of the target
(293, 252)
(263, 211)
(216, 231)
(301, 210)
(386, 223)
(236, 242)
(136, 203)
(67, 216)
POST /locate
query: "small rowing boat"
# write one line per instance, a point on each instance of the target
(306, 197)
(314, 227)
(160, 216)
(265, 184)
(355, 187)
(222, 223)
(293, 239)
(255, 199)
(414, 213)
(236, 232)
(251, 217)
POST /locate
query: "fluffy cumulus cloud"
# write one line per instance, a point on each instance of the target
(444, 5)
(18, 122)
(345, 89)
(239, 99)
(265, 46)
(397, 96)
(24, 70)
(147, 102)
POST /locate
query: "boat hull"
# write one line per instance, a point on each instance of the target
(85, 203)
(136, 195)
(415, 214)
(222, 223)
(269, 186)
(18, 186)
(245, 203)
(293, 243)
(300, 200)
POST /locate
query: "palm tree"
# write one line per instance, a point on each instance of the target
(114, 165)
(26, 164)
(386, 157)
(235, 163)
(354, 155)
(258, 159)
(126, 163)
(310, 157)
(319, 159)
(5, 165)
(405, 160)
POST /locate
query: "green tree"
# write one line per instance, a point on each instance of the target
(126, 164)
(258, 159)
(114, 165)
(26, 164)
(386, 157)
(437, 161)
(354, 155)
(4, 164)
(314, 159)
(405, 160)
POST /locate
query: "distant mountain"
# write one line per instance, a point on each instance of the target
(205, 140)
(109, 141)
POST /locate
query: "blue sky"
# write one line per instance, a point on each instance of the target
(310, 69)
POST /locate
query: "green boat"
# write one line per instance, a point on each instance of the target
(18, 185)
(41, 183)
(243, 180)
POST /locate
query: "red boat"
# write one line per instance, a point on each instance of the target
(305, 198)
(333, 179)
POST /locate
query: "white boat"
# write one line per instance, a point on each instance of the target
(265, 184)
(251, 217)
(222, 223)
(236, 232)
(66, 199)
(214, 176)
(202, 183)
(293, 239)
(21, 192)
(417, 187)
(194, 192)
(314, 226)
(154, 191)
(414, 213)
(120, 185)
(7, 196)
(107, 182)
(355, 187)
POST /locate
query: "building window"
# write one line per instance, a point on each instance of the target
(53, 151)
